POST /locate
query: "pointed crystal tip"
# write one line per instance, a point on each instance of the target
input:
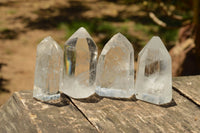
(155, 37)
(117, 40)
(82, 29)
(154, 43)
(80, 33)
(48, 38)
(49, 41)
(118, 35)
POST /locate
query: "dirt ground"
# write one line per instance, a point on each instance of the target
(18, 45)
(24, 23)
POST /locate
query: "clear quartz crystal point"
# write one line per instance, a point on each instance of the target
(80, 58)
(115, 69)
(154, 76)
(48, 70)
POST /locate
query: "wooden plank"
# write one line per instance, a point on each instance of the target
(22, 113)
(111, 115)
(189, 86)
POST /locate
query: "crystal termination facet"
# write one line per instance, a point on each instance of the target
(80, 53)
(154, 75)
(48, 70)
(115, 69)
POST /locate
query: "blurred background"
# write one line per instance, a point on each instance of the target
(24, 23)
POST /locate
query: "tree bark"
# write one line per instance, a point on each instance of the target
(196, 21)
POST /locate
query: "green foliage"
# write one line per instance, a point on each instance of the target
(169, 36)
(105, 27)
(144, 28)
(94, 27)
(99, 27)
(2, 29)
(8, 51)
(70, 28)
(148, 30)
(11, 12)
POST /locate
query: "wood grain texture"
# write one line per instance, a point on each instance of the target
(22, 113)
(189, 86)
(111, 115)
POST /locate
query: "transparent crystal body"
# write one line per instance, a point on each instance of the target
(80, 59)
(48, 70)
(154, 75)
(115, 69)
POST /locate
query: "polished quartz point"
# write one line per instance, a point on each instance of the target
(80, 58)
(154, 76)
(115, 69)
(48, 70)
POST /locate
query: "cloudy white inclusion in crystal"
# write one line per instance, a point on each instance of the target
(154, 75)
(48, 70)
(80, 59)
(115, 69)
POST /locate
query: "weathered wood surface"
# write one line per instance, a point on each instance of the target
(22, 113)
(189, 86)
(109, 115)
